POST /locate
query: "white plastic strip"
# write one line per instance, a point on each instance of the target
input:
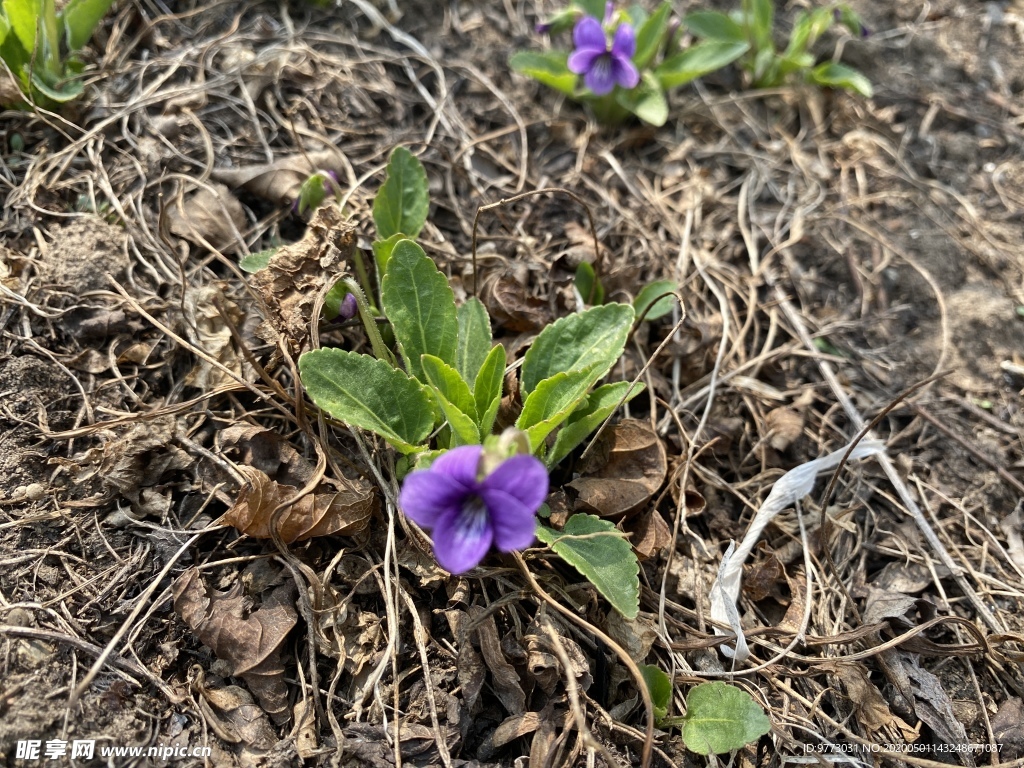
(789, 489)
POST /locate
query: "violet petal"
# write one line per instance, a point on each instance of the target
(513, 522)
(624, 44)
(589, 34)
(427, 495)
(582, 60)
(522, 477)
(461, 539)
(600, 78)
(461, 463)
(625, 73)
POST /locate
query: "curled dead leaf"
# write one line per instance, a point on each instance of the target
(634, 471)
(231, 714)
(343, 512)
(210, 216)
(279, 181)
(249, 642)
(510, 306)
(649, 533)
(785, 425)
(288, 287)
(504, 676)
(208, 331)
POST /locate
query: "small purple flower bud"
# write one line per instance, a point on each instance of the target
(348, 307)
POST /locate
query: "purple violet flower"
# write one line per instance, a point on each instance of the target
(467, 513)
(604, 67)
(348, 307)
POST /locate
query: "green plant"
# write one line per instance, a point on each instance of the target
(753, 25)
(623, 62)
(435, 396)
(38, 45)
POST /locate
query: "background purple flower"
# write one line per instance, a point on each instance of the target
(604, 67)
(467, 516)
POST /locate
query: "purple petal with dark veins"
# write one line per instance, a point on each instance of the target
(600, 78)
(624, 73)
(461, 539)
(582, 60)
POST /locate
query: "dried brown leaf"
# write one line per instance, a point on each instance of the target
(233, 716)
(250, 643)
(211, 215)
(510, 306)
(343, 512)
(869, 704)
(279, 181)
(785, 426)
(506, 681)
(649, 533)
(266, 450)
(208, 331)
(469, 665)
(297, 274)
(635, 469)
(514, 727)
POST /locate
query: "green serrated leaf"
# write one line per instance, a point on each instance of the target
(650, 35)
(79, 18)
(713, 25)
(553, 401)
(659, 685)
(646, 101)
(254, 262)
(588, 417)
(597, 335)
(474, 339)
(653, 293)
(368, 393)
(697, 61)
(588, 285)
(548, 68)
(402, 202)
(594, 548)
(835, 75)
(722, 718)
(455, 399)
(487, 389)
(420, 304)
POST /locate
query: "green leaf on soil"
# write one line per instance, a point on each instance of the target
(553, 401)
(660, 687)
(596, 336)
(487, 388)
(650, 294)
(402, 202)
(548, 68)
(254, 262)
(474, 339)
(587, 417)
(722, 718)
(698, 60)
(420, 304)
(588, 285)
(605, 558)
(368, 393)
(713, 25)
(650, 34)
(455, 399)
(833, 75)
